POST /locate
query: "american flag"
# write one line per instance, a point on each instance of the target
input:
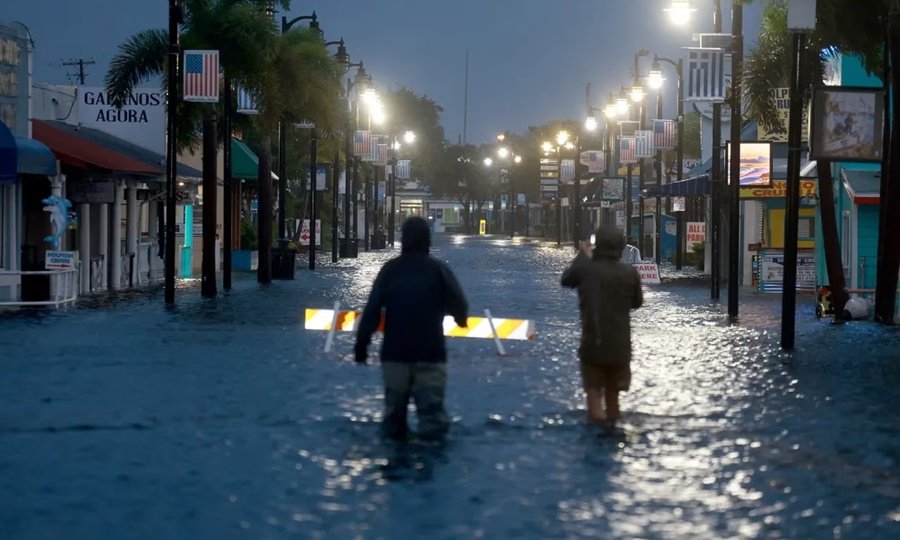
(381, 154)
(643, 143)
(664, 132)
(626, 150)
(706, 75)
(246, 104)
(596, 161)
(201, 76)
(362, 143)
(403, 168)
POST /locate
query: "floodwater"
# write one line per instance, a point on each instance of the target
(225, 419)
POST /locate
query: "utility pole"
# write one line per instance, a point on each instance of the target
(734, 200)
(80, 62)
(173, 98)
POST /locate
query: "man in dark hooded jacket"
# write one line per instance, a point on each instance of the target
(415, 291)
(607, 292)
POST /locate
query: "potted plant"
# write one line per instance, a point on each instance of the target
(246, 258)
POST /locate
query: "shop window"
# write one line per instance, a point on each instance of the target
(806, 228)
(451, 216)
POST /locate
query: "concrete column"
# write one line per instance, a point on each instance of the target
(115, 255)
(103, 242)
(132, 217)
(84, 245)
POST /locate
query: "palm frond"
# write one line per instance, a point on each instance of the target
(141, 57)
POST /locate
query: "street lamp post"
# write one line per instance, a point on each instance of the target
(282, 144)
(173, 99)
(656, 74)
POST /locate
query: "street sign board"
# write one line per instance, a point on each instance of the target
(304, 233)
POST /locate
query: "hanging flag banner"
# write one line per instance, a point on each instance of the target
(626, 150)
(628, 127)
(201, 76)
(403, 169)
(706, 75)
(381, 155)
(595, 161)
(361, 143)
(643, 143)
(246, 103)
(664, 134)
(567, 170)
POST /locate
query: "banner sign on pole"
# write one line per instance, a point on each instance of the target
(403, 169)
(246, 104)
(201, 76)
(626, 150)
(567, 170)
(643, 139)
(706, 75)
(664, 134)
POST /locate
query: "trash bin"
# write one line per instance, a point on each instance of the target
(378, 240)
(352, 252)
(283, 260)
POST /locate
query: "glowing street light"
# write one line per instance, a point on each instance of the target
(562, 137)
(637, 94)
(503, 152)
(488, 162)
(590, 123)
(611, 111)
(409, 137)
(622, 106)
(655, 77)
(680, 12)
(547, 147)
(517, 159)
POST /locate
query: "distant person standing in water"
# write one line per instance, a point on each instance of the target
(415, 292)
(608, 290)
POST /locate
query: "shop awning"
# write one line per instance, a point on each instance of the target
(81, 152)
(863, 186)
(698, 186)
(244, 163)
(19, 155)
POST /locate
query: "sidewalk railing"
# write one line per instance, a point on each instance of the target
(63, 287)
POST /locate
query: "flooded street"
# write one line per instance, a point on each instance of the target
(225, 419)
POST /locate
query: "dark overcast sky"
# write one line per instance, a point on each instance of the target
(529, 60)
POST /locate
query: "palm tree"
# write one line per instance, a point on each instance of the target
(289, 74)
(296, 79)
(841, 26)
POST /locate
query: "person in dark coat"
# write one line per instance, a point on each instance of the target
(415, 292)
(607, 292)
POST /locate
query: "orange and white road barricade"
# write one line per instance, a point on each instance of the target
(337, 320)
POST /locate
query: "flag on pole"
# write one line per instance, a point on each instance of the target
(201, 76)
(595, 161)
(643, 143)
(706, 75)
(362, 143)
(664, 132)
(246, 104)
(626, 150)
(381, 155)
(567, 170)
(403, 168)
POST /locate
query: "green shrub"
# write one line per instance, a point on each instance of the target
(248, 236)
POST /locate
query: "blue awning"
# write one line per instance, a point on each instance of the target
(698, 186)
(8, 156)
(19, 155)
(35, 158)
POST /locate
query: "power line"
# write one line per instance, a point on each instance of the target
(80, 62)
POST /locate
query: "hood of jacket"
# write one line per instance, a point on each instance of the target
(608, 243)
(415, 236)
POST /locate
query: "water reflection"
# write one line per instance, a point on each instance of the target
(247, 426)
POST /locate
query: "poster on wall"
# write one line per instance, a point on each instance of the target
(847, 124)
(612, 189)
(778, 132)
(755, 163)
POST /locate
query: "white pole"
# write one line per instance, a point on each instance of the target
(500, 351)
(332, 330)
